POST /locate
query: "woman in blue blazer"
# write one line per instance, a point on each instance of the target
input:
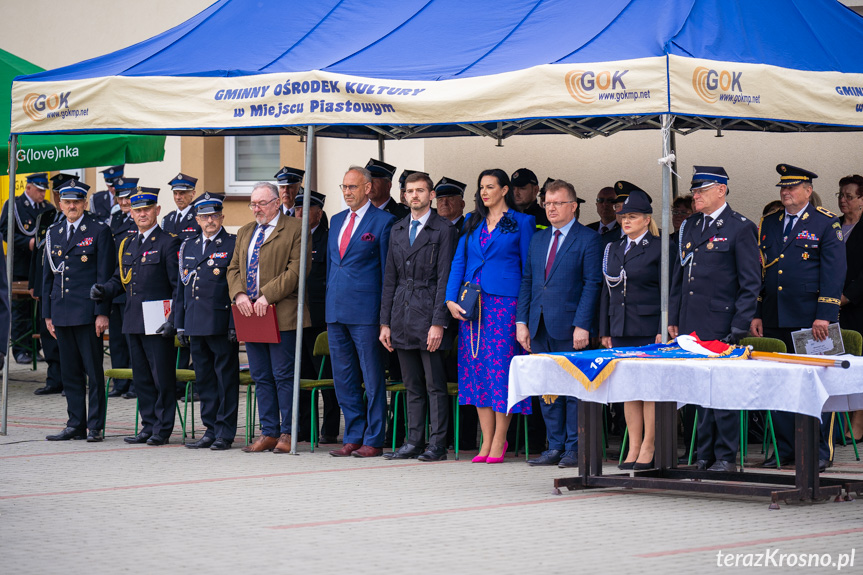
(629, 307)
(491, 252)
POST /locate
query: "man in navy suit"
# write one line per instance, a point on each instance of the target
(78, 253)
(556, 304)
(103, 203)
(356, 258)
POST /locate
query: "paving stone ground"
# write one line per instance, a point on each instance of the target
(108, 508)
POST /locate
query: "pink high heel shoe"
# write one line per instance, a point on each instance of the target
(479, 459)
(498, 459)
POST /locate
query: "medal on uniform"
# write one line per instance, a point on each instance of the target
(709, 245)
(216, 271)
(210, 262)
(185, 272)
(805, 255)
(143, 259)
(83, 258)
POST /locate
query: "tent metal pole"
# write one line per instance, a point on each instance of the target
(301, 298)
(675, 192)
(381, 147)
(667, 120)
(10, 205)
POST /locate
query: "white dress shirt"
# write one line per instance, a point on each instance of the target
(360, 213)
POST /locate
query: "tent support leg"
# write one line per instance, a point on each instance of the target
(667, 120)
(381, 147)
(301, 298)
(13, 153)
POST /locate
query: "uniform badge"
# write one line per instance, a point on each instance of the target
(218, 241)
(709, 245)
(83, 258)
(719, 223)
(839, 235)
(185, 272)
(210, 262)
(59, 252)
(83, 227)
(216, 271)
(805, 217)
(805, 255)
(688, 245)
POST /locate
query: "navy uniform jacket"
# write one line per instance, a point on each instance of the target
(25, 230)
(568, 297)
(121, 227)
(396, 209)
(202, 305)
(632, 308)
(803, 276)
(146, 273)
(101, 204)
(716, 276)
(184, 228)
(316, 284)
(45, 220)
(72, 267)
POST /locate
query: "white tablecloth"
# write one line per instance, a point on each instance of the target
(717, 383)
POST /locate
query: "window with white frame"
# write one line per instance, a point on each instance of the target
(250, 159)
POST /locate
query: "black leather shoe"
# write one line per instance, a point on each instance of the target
(94, 436)
(642, 466)
(47, 390)
(823, 464)
(550, 457)
(130, 395)
(702, 464)
(156, 440)
(771, 463)
(569, 459)
(140, 438)
(326, 439)
(23, 358)
(68, 433)
(115, 393)
(195, 397)
(726, 466)
(406, 451)
(202, 443)
(433, 453)
(221, 445)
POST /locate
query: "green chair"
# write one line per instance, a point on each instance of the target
(246, 380)
(322, 350)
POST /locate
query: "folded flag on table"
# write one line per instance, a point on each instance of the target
(592, 367)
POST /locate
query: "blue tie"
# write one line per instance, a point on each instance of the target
(413, 235)
(789, 225)
(252, 273)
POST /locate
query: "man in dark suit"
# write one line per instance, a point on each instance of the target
(78, 253)
(556, 303)
(289, 181)
(265, 270)
(717, 298)
(803, 254)
(449, 199)
(102, 204)
(202, 317)
(414, 316)
(356, 258)
(122, 226)
(27, 207)
(147, 271)
(525, 187)
(50, 349)
(382, 182)
(605, 200)
(316, 296)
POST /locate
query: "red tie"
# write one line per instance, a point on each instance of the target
(552, 253)
(346, 237)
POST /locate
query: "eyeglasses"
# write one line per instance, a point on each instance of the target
(349, 188)
(262, 205)
(702, 190)
(557, 204)
(207, 217)
(681, 212)
(847, 197)
(606, 200)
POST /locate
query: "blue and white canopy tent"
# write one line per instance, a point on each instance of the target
(496, 68)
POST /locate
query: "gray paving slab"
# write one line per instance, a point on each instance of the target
(68, 507)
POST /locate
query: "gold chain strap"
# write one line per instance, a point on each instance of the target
(473, 352)
(128, 277)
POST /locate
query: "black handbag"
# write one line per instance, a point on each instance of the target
(468, 300)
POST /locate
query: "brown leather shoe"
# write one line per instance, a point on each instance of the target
(262, 443)
(284, 444)
(346, 450)
(368, 451)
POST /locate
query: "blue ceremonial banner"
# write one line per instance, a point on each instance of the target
(593, 366)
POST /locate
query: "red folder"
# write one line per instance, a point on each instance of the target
(257, 329)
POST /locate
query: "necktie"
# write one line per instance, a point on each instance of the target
(629, 245)
(252, 273)
(789, 224)
(603, 229)
(552, 253)
(413, 235)
(140, 240)
(346, 237)
(707, 221)
(206, 241)
(71, 232)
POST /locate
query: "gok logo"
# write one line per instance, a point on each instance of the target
(582, 84)
(707, 83)
(36, 104)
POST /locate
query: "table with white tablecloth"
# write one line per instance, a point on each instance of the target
(733, 384)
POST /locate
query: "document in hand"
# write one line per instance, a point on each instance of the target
(155, 314)
(257, 329)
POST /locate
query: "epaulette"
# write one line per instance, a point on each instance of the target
(826, 212)
(172, 235)
(63, 221)
(737, 215)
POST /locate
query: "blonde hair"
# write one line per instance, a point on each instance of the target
(652, 227)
